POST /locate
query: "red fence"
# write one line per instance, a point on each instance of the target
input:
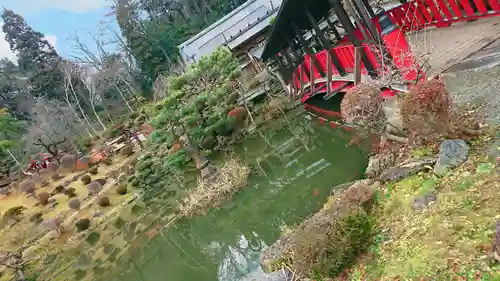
(421, 13)
(396, 45)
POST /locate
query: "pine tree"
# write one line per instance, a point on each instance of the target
(36, 57)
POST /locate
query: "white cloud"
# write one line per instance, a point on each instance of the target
(34, 6)
(5, 51)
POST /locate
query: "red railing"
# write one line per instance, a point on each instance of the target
(396, 45)
(418, 14)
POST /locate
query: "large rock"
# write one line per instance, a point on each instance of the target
(451, 154)
(406, 169)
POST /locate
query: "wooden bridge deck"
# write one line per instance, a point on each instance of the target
(445, 47)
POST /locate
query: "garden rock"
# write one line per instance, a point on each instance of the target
(423, 201)
(451, 154)
(379, 163)
(341, 187)
(406, 169)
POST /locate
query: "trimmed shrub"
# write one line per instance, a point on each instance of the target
(36, 217)
(28, 186)
(362, 107)
(103, 201)
(86, 179)
(122, 189)
(94, 170)
(70, 192)
(74, 204)
(55, 176)
(127, 151)
(82, 225)
(107, 161)
(94, 188)
(113, 174)
(58, 189)
(68, 162)
(93, 238)
(425, 111)
(15, 213)
(43, 198)
(53, 167)
(101, 181)
(120, 223)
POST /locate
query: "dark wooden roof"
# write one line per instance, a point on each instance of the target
(293, 11)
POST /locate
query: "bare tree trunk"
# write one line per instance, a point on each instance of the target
(98, 118)
(79, 106)
(15, 160)
(123, 96)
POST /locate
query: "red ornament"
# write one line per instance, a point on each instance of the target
(333, 125)
(321, 121)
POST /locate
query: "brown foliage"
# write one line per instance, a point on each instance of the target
(43, 198)
(53, 167)
(83, 163)
(68, 162)
(28, 186)
(425, 111)
(107, 161)
(332, 240)
(362, 106)
(55, 176)
(103, 202)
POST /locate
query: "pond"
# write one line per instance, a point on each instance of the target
(300, 162)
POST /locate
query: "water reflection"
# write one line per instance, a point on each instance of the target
(225, 244)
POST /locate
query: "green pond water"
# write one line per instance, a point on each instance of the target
(303, 163)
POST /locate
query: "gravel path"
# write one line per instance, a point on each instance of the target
(477, 80)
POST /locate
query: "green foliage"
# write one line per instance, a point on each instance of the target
(70, 192)
(82, 225)
(36, 57)
(14, 213)
(122, 189)
(120, 223)
(127, 151)
(86, 179)
(94, 170)
(93, 238)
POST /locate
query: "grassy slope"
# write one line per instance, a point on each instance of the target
(451, 238)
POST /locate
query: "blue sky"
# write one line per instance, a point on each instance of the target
(60, 21)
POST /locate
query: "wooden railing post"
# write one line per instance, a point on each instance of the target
(357, 65)
(328, 73)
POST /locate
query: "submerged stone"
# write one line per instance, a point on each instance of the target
(451, 154)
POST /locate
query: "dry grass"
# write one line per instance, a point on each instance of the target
(233, 175)
(448, 239)
(331, 240)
